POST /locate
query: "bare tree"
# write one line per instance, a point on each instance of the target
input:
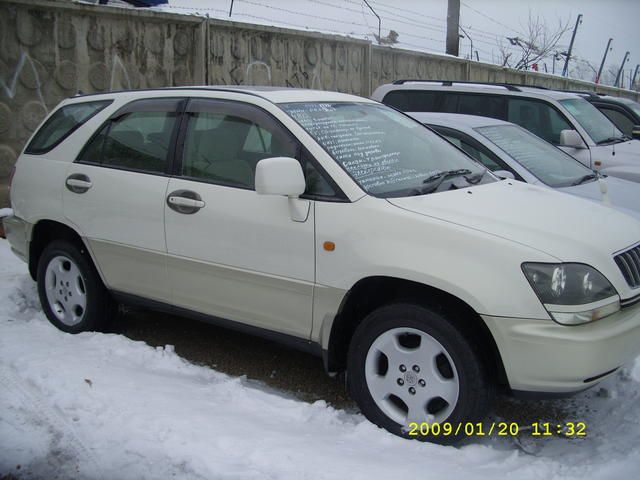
(539, 42)
(582, 69)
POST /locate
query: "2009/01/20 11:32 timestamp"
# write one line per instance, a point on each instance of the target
(502, 429)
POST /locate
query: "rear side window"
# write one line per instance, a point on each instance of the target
(63, 123)
(137, 140)
(413, 100)
(470, 104)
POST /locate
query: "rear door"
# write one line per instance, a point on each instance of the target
(233, 253)
(115, 194)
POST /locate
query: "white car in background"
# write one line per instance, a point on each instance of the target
(563, 119)
(511, 151)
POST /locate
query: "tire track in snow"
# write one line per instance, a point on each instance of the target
(63, 434)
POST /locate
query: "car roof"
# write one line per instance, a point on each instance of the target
(456, 120)
(501, 89)
(272, 94)
(610, 99)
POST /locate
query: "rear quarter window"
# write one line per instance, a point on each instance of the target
(63, 123)
(412, 100)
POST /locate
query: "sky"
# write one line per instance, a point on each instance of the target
(421, 24)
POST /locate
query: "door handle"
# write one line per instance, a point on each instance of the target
(78, 183)
(185, 201)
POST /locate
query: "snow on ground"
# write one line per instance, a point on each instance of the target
(103, 406)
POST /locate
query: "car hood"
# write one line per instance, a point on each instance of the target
(623, 195)
(566, 227)
(631, 147)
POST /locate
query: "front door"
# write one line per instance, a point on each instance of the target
(233, 253)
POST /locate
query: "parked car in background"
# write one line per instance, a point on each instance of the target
(563, 119)
(623, 112)
(336, 225)
(508, 149)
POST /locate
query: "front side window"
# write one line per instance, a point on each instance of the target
(386, 153)
(624, 123)
(224, 142)
(225, 147)
(597, 126)
(549, 164)
(477, 152)
(539, 118)
(63, 123)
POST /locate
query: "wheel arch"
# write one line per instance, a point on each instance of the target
(44, 232)
(373, 292)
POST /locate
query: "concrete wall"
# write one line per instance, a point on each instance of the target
(51, 50)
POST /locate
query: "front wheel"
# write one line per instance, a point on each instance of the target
(70, 290)
(409, 368)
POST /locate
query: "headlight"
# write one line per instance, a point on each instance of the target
(572, 293)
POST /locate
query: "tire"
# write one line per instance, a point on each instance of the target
(408, 364)
(71, 292)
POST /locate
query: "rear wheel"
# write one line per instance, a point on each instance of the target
(71, 292)
(409, 366)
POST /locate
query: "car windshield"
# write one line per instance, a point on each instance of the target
(549, 164)
(598, 126)
(385, 152)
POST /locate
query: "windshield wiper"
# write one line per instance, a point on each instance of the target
(611, 140)
(432, 182)
(584, 179)
(475, 178)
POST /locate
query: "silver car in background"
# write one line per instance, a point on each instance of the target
(510, 150)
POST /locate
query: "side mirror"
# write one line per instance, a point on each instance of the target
(280, 176)
(504, 174)
(571, 138)
(635, 132)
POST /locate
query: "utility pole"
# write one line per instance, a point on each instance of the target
(624, 60)
(470, 40)
(606, 51)
(477, 56)
(565, 70)
(635, 75)
(379, 21)
(453, 23)
(231, 8)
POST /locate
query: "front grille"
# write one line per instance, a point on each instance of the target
(629, 264)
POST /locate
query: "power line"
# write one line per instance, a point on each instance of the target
(493, 19)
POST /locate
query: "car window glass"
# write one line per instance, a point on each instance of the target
(482, 105)
(412, 100)
(596, 124)
(621, 121)
(473, 152)
(537, 117)
(62, 123)
(548, 163)
(386, 153)
(224, 143)
(137, 141)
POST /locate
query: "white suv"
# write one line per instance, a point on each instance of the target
(563, 119)
(337, 225)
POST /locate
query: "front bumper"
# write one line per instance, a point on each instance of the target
(16, 231)
(544, 357)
